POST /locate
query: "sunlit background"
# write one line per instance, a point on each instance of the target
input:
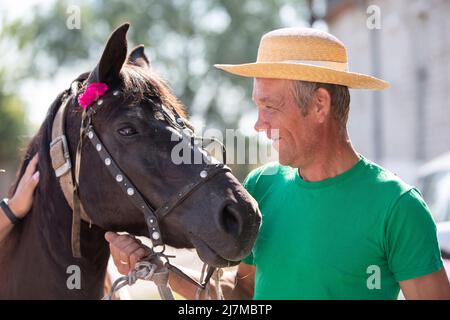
(405, 128)
(401, 128)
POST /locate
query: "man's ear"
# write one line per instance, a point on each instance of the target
(137, 57)
(322, 104)
(113, 57)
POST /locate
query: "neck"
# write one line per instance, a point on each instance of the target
(332, 157)
(39, 263)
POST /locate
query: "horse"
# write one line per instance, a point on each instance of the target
(135, 122)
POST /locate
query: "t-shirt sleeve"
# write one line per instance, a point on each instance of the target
(248, 183)
(411, 241)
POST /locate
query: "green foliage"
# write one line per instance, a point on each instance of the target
(12, 126)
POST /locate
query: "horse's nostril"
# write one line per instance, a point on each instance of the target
(231, 221)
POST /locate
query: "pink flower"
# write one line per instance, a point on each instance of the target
(92, 92)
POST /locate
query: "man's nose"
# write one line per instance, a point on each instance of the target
(261, 123)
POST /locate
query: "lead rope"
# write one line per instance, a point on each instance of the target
(144, 270)
(161, 280)
(217, 275)
(202, 278)
(217, 286)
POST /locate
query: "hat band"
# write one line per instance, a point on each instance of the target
(339, 66)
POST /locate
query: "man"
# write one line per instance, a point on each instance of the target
(335, 225)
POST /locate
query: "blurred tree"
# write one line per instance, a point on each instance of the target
(184, 38)
(12, 125)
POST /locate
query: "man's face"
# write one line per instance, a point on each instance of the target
(278, 110)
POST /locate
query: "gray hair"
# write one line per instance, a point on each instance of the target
(303, 93)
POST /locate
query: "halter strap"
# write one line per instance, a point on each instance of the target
(127, 187)
(62, 165)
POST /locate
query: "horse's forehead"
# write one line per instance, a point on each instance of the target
(129, 105)
(143, 110)
(135, 112)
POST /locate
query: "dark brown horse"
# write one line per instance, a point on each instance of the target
(220, 219)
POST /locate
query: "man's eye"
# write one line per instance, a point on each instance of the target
(127, 131)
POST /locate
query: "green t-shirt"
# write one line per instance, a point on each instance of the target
(353, 236)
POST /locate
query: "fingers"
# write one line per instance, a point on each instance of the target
(138, 254)
(32, 183)
(22, 199)
(31, 168)
(31, 172)
(115, 253)
(28, 181)
(125, 251)
(113, 239)
(110, 236)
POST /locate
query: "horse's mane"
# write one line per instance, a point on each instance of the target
(139, 83)
(36, 145)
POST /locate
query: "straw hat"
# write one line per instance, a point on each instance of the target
(304, 54)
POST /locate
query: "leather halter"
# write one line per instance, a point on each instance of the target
(69, 178)
(62, 165)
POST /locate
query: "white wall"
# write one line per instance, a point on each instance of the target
(412, 33)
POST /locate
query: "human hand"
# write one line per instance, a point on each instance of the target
(126, 251)
(21, 201)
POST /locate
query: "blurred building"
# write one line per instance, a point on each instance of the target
(408, 124)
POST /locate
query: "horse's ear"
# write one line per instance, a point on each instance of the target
(137, 57)
(113, 57)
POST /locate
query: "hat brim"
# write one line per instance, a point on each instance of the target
(304, 72)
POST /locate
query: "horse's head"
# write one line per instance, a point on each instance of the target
(136, 120)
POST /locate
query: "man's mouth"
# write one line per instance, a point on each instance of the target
(275, 141)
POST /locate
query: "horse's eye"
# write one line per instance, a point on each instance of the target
(127, 131)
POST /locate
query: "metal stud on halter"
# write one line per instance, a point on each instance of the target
(130, 191)
(155, 235)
